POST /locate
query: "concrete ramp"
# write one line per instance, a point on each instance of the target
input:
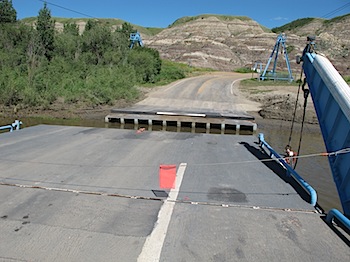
(93, 194)
(194, 121)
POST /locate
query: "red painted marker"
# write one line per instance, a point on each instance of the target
(167, 176)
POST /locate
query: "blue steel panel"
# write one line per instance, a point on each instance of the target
(329, 112)
(345, 182)
(333, 132)
(334, 123)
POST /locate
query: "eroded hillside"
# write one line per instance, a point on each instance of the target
(227, 43)
(230, 42)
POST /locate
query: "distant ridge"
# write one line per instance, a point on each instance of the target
(111, 22)
(224, 42)
(303, 22)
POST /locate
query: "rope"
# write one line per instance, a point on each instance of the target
(206, 203)
(335, 153)
(295, 110)
(306, 95)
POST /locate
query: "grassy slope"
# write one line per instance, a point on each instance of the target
(147, 30)
(187, 19)
(153, 30)
(305, 21)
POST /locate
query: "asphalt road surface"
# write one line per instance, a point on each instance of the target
(93, 194)
(217, 92)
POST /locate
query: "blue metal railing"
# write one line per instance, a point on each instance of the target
(334, 213)
(14, 126)
(290, 170)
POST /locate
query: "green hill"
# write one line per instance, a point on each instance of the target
(299, 23)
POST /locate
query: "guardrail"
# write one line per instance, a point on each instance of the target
(14, 126)
(334, 213)
(290, 170)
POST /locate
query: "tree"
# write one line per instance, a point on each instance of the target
(13, 43)
(146, 62)
(68, 43)
(7, 13)
(90, 24)
(71, 28)
(46, 30)
(34, 54)
(95, 42)
(124, 32)
(126, 29)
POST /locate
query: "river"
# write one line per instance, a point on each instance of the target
(315, 170)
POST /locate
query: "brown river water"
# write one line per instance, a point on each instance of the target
(314, 170)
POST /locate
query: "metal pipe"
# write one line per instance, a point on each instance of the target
(7, 127)
(334, 213)
(14, 126)
(290, 170)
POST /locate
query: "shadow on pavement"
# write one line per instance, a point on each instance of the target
(277, 169)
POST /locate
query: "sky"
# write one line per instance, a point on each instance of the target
(162, 13)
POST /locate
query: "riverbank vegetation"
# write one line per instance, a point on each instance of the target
(256, 82)
(40, 66)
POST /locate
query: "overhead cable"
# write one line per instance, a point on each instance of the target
(328, 15)
(65, 8)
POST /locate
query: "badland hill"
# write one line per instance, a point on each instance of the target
(230, 42)
(227, 42)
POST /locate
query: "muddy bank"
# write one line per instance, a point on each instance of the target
(59, 110)
(278, 102)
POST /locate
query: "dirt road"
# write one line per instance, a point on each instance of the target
(222, 92)
(214, 92)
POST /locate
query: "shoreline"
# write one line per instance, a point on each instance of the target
(278, 103)
(264, 103)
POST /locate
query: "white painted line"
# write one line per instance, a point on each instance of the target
(152, 248)
(181, 114)
(234, 82)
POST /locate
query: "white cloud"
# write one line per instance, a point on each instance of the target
(279, 18)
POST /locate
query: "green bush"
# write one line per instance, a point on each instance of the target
(94, 68)
(146, 63)
(243, 70)
(347, 79)
(293, 25)
(171, 71)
